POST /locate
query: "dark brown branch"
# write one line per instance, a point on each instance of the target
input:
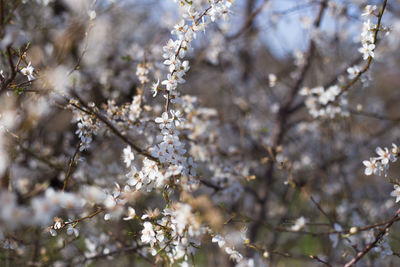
(373, 243)
(319, 260)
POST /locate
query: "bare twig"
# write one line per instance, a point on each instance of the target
(320, 260)
(70, 165)
(248, 22)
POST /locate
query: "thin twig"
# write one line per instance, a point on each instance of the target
(320, 260)
(248, 22)
(70, 165)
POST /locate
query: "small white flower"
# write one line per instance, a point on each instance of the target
(148, 235)
(136, 179)
(395, 149)
(372, 166)
(128, 156)
(272, 79)
(155, 88)
(92, 14)
(131, 214)
(369, 10)
(353, 71)
(141, 73)
(171, 83)
(384, 155)
(299, 224)
(53, 232)
(57, 225)
(396, 192)
(170, 48)
(185, 66)
(233, 254)
(164, 121)
(173, 62)
(180, 29)
(28, 71)
(367, 50)
(306, 91)
(176, 117)
(72, 230)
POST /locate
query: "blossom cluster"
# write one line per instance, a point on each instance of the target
(332, 101)
(233, 254)
(173, 232)
(87, 126)
(128, 112)
(41, 209)
(323, 102)
(175, 50)
(367, 34)
(142, 72)
(380, 164)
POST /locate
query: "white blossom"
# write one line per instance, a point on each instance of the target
(148, 234)
(28, 72)
(128, 156)
(372, 166)
(367, 50)
(396, 192)
(299, 224)
(131, 214)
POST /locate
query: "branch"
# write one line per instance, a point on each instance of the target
(319, 260)
(373, 243)
(113, 129)
(367, 66)
(70, 165)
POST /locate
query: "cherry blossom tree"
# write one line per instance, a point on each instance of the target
(199, 133)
